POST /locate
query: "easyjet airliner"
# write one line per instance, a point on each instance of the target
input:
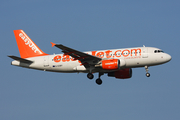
(116, 63)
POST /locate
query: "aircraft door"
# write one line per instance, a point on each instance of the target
(145, 52)
(46, 62)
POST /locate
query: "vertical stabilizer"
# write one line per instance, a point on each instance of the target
(27, 48)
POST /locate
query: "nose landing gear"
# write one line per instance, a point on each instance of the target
(147, 74)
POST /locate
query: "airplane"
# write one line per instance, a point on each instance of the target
(116, 63)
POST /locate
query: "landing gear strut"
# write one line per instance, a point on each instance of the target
(147, 74)
(90, 75)
(99, 81)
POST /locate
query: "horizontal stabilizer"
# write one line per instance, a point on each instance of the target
(20, 59)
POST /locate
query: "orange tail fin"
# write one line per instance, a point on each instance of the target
(27, 48)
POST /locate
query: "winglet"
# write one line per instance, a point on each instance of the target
(53, 44)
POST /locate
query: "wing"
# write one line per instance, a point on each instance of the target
(85, 58)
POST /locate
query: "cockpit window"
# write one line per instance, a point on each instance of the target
(158, 51)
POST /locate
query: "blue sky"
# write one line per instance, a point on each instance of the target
(27, 94)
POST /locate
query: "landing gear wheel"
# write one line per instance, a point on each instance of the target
(90, 75)
(99, 81)
(147, 74)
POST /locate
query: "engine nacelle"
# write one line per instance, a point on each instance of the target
(112, 64)
(121, 74)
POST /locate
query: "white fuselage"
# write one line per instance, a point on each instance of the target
(129, 58)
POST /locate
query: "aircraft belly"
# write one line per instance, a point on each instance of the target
(63, 66)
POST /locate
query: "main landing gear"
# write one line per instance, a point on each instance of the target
(90, 75)
(147, 74)
(98, 81)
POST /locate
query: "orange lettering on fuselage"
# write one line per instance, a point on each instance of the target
(116, 53)
(94, 53)
(57, 58)
(125, 55)
(106, 54)
(66, 58)
(136, 50)
(100, 54)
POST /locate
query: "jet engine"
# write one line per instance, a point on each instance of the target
(121, 74)
(112, 64)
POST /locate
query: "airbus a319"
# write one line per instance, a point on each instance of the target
(116, 63)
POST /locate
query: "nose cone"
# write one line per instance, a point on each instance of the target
(168, 57)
